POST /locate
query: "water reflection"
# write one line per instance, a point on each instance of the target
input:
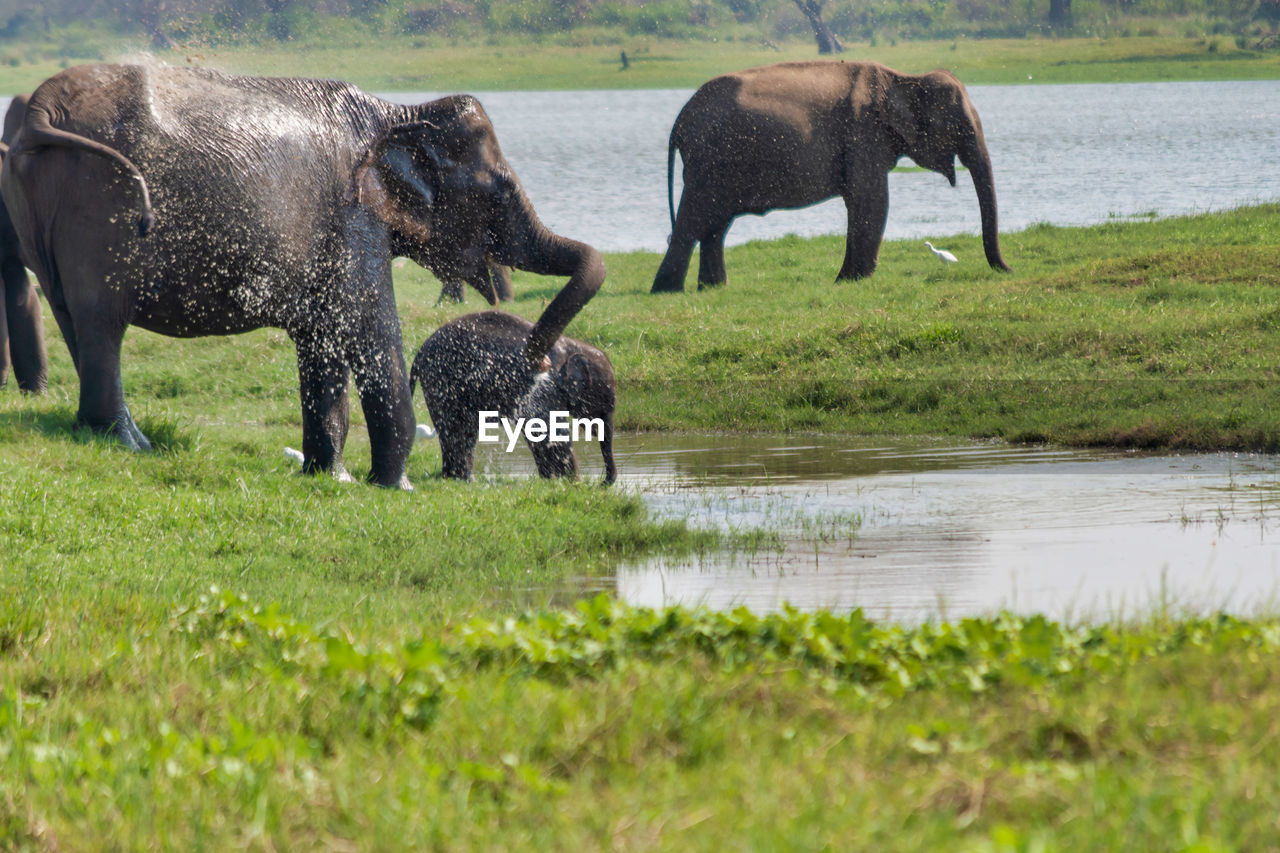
(951, 528)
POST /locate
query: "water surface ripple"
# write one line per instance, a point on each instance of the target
(911, 528)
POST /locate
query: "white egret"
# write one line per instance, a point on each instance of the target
(943, 255)
(421, 433)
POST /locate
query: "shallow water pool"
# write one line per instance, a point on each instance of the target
(911, 529)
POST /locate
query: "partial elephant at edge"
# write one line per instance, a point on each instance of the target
(22, 344)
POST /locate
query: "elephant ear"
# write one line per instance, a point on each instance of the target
(577, 377)
(396, 181)
(900, 115)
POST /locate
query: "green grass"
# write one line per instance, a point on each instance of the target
(362, 679)
(657, 64)
(1152, 333)
(1134, 334)
(222, 723)
(399, 63)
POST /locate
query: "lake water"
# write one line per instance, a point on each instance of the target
(594, 163)
(912, 528)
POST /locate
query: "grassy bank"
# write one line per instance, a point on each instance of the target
(657, 64)
(1147, 334)
(219, 723)
(401, 63)
(359, 680)
(1143, 333)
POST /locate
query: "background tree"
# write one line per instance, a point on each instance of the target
(1060, 13)
(152, 15)
(827, 41)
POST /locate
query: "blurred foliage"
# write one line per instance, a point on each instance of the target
(65, 24)
(402, 683)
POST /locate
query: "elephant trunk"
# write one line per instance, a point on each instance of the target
(606, 451)
(543, 253)
(976, 159)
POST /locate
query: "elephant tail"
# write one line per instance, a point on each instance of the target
(672, 145)
(38, 132)
(417, 370)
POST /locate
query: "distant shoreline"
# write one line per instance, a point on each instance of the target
(406, 64)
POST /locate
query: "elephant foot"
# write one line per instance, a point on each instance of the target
(391, 480)
(846, 274)
(402, 485)
(123, 430)
(668, 282)
(711, 285)
(337, 470)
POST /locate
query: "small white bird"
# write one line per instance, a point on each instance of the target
(421, 433)
(943, 255)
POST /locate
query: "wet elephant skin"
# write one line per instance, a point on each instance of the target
(191, 202)
(798, 133)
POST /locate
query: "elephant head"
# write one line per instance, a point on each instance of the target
(580, 382)
(455, 206)
(935, 122)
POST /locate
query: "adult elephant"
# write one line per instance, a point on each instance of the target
(798, 133)
(21, 321)
(265, 202)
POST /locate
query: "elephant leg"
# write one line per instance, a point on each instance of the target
(711, 257)
(868, 211)
(383, 384)
(4, 344)
(63, 318)
(675, 263)
(457, 446)
(554, 458)
(26, 329)
(102, 406)
(502, 282)
(450, 291)
(326, 414)
(370, 327)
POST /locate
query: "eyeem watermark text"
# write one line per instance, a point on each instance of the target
(558, 426)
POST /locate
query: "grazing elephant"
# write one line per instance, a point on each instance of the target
(479, 362)
(277, 202)
(493, 282)
(798, 133)
(21, 322)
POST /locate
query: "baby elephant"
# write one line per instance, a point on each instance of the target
(477, 363)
